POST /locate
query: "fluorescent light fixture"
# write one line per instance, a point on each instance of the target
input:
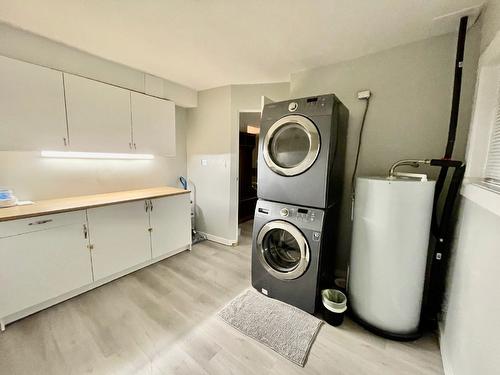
(94, 155)
(253, 129)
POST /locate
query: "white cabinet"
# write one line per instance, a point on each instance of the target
(45, 109)
(98, 115)
(39, 264)
(46, 259)
(119, 236)
(171, 224)
(153, 124)
(32, 113)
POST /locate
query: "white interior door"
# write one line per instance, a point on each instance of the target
(120, 237)
(171, 224)
(98, 116)
(41, 265)
(32, 114)
(153, 124)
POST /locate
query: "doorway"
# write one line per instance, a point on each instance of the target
(249, 126)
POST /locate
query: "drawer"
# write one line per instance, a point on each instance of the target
(33, 224)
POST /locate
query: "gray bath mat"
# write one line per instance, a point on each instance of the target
(285, 329)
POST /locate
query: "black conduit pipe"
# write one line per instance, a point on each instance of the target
(442, 229)
(455, 106)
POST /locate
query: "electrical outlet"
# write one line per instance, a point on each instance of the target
(364, 94)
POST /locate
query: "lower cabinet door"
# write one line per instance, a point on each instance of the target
(171, 224)
(119, 236)
(41, 265)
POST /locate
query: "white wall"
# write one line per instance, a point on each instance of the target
(470, 341)
(213, 135)
(470, 336)
(32, 48)
(409, 110)
(32, 177)
(490, 21)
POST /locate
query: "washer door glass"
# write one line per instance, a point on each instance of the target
(283, 250)
(291, 145)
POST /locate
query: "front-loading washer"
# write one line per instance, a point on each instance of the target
(292, 252)
(302, 151)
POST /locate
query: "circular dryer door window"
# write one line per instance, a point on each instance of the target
(291, 145)
(283, 250)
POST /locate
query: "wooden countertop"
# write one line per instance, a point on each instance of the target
(53, 206)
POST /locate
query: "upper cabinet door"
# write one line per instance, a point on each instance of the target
(98, 115)
(153, 125)
(32, 114)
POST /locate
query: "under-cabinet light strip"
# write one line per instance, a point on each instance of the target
(94, 155)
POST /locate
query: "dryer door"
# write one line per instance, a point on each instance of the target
(283, 250)
(291, 145)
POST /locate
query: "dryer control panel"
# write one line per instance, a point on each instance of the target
(310, 106)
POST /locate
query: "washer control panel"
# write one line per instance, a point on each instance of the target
(292, 107)
(284, 212)
(302, 217)
(301, 214)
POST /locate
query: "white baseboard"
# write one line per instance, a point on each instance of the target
(448, 369)
(221, 240)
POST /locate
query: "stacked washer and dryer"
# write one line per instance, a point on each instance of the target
(299, 183)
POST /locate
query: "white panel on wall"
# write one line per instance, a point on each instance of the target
(98, 115)
(153, 124)
(32, 114)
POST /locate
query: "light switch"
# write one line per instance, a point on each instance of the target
(204, 162)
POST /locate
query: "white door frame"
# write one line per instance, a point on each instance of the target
(238, 167)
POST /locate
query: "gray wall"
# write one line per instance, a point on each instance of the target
(409, 110)
(209, 141)
(244, 98)
(25, 46)
(213, 136)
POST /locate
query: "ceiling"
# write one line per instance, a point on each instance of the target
(209, 43)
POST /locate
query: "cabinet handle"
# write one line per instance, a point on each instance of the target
(146, 205)
(151, 205)
(130, 145)
(40, 222)
(90, 246)
(65, 141)
(135, 147)
(85, 231)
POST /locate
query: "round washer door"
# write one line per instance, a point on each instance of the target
(283, 250)
(291, 145)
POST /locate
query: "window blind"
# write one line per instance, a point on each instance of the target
(492, 171)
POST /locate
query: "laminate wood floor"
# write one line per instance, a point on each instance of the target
(162, 320)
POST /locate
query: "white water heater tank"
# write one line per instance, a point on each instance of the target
(392, 219)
